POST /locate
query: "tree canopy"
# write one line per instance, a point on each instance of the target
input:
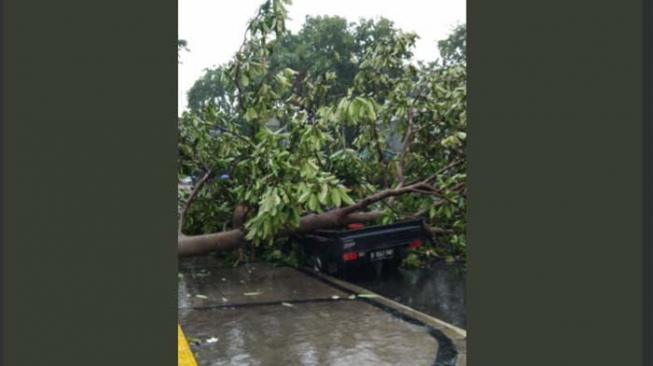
(324, 44)
(453, 49)
(314, 130)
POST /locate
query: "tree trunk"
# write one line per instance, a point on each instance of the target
(201, 244)
(231, 239)
(237, 222)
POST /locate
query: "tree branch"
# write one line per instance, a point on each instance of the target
(442, 170)
(381, 195)
(379, 151)
(237, 66)
(244, 138)
(404, 150)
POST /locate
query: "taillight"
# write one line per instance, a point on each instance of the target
(355, 226)
(350, 256)
(415, 244)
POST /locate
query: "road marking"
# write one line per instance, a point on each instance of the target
(184, 355)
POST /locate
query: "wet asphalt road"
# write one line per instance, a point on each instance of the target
(261, 315)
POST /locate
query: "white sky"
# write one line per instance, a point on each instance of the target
(214, 29)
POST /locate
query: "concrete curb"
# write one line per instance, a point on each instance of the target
(458, 336)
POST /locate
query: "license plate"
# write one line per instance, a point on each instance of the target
(381, 254)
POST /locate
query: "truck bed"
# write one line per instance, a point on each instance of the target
(333, 250)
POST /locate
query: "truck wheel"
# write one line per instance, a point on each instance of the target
(334, 269)
(397, 260)
(318, 266)
(378, 267)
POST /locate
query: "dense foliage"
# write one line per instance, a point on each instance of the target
(453, 49)
(324, 44)
(309, 122)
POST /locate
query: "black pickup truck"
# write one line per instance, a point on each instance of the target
(333, 251)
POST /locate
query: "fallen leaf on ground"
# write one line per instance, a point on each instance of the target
(256, 293)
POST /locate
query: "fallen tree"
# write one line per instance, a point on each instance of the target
(278, 159)
(231, 239)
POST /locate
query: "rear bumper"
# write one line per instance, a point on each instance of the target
(334, 262)
(383, 254)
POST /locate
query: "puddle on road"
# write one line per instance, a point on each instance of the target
(325, 333)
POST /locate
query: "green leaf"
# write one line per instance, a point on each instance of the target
(304, 197)
(250, 114)
(366, 109)
(313, 203)
(345, 198)
(335, 197)
(276, 200)
(244, 80)
(323, 194)
(266, 228)
(342, 111)
(313, 165)
(432, 212)
(251, 234)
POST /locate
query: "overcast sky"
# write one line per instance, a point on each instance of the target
(214, 29)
